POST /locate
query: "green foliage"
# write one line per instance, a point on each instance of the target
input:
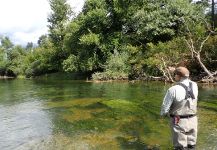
(16, 57)
(60, 15)
(11, 58)
(61, 12)
(29, 46)
(116, 67)
(118, 62)
(92, 5)
(42, 59)
(42, 40)
(3, 63)
(137, 56)
(114, 39)
(131, 23)
(168, 54)
(170, 16)
(6, 43)
(210, 53)
(70, 64)
(84, 42)
(90, 39)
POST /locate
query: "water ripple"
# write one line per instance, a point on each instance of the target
(21, 123)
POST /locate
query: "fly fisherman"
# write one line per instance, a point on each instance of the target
(180, 104)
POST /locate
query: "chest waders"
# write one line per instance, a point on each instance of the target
(183, 122)
(185, 108)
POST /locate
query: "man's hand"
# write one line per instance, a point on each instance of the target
(176, 119)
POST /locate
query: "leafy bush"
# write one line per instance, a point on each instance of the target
(70, 64)
(116, 68)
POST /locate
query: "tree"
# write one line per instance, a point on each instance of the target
(197, 32)
(60, 15)
(86, 36)
(211, 8)
(42, 40)
(195, 39)
(40, 61)
(29, 46)
(16, 60)
(58, 19)
(6, 43)
(6, 46)
(169, 20)
(11, 58)
(210, 53)
(3, 62)
(213, 14)
(166, 55)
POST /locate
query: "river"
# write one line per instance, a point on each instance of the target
(48, 114)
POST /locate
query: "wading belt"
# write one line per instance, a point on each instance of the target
(183, 116)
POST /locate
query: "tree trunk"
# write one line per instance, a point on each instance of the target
(203, 66)
(213, 14)
(166, 71)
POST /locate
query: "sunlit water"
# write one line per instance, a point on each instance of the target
(76, 115)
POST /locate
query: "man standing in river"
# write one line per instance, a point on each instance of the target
(180, 104)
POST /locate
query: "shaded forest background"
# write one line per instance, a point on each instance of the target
(120, 39)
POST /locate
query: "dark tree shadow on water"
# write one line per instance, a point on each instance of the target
(209, 106)
(134, 145)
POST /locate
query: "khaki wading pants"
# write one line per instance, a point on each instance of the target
(185, 132)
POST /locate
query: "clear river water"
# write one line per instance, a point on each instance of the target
(54, 114)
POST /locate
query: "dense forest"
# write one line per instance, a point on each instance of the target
(120, 39)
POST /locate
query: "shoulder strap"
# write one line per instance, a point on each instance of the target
(189, 90)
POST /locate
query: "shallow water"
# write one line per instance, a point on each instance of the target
(46, 114)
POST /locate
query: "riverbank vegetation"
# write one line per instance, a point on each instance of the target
(120, 39)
